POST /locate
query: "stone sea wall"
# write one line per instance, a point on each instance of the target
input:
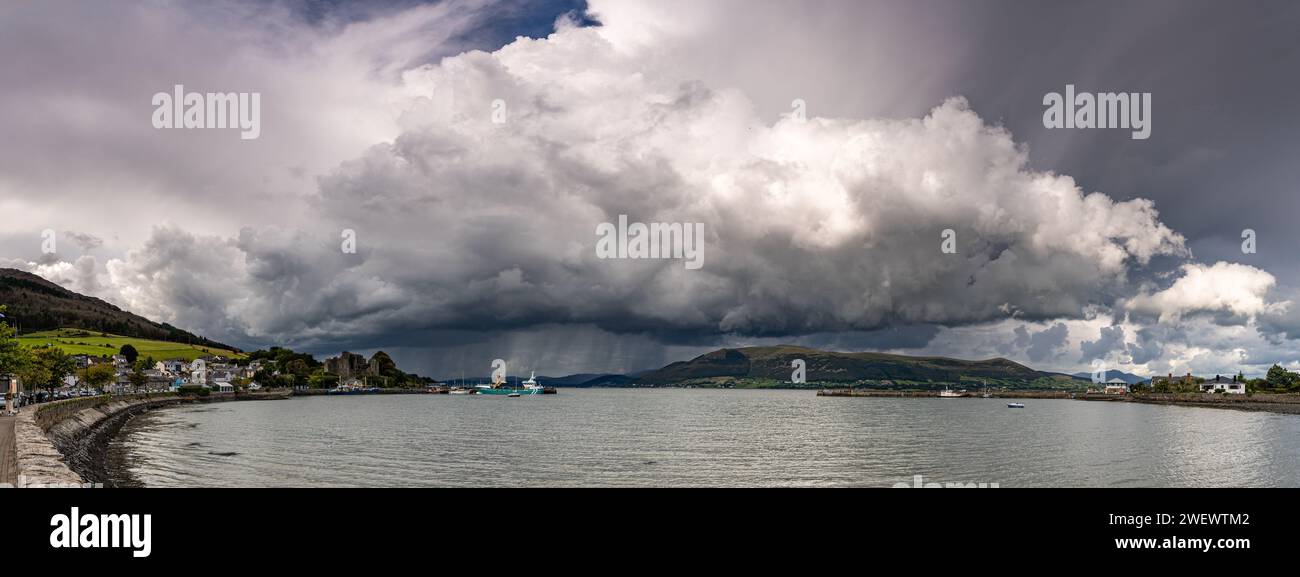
(62, 443)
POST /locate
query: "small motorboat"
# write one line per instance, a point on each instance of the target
(1015, 405)
(513, 395)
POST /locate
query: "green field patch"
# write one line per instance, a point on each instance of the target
(82, 342)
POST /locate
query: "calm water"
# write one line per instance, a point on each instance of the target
(674, 437)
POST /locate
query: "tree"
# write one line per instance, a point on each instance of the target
(1280, 378)
(297, 368)
(56, 364)
(138, 379)
(98, 375)
(130, 353)
(323, 380)
(33, 373)
(12, 355)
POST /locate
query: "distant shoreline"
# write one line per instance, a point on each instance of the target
(1273, 403)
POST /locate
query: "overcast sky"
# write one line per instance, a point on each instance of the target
(476, 239)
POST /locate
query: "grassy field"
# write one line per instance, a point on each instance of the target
(79, 342)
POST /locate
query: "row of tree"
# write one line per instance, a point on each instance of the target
(1278, 380)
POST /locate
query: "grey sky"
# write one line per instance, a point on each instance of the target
(476, 239)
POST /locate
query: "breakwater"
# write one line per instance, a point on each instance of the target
(906, 394)
(1273, 403)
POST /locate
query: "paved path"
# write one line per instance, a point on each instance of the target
(8, 466)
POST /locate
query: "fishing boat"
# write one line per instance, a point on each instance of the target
(502, 387)
(1015, 405)
(531, 384)
(947, 393)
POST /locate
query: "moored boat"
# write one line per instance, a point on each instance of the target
(504, 390)
(351, 390)
(1015, 405)
(529, 387)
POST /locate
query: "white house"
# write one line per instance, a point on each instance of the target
(1222, 385)
(1116, 386)
(199, 372)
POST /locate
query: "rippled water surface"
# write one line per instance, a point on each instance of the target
(677, 437)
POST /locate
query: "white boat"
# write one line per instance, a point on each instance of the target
(1015, 405)
(949, 394)
(531, 384)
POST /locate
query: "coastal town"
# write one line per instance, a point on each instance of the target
(206, 375)
(47, 368)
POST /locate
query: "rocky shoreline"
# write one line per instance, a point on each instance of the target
(1271, 403)
(66, 443)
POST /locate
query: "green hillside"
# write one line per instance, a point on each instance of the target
(36, 304)
(80, 342)
(771, 366)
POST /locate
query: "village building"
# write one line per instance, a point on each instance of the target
(199, 372)
(1221, 384)
(1116, 386)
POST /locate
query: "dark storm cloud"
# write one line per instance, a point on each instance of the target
(1214, 164)
(1047, 342)
(476, 238)
(1111, 340)
(1146, 348)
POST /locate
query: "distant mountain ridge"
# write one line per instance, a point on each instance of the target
(589, 380)
(774, 364)
(36, 304)
(828, 366)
